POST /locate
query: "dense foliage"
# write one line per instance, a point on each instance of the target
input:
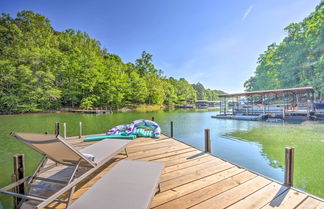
(43, 69)
(297, 61)
(206, 94)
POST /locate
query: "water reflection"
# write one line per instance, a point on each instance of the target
(262, 156)
(190, 129)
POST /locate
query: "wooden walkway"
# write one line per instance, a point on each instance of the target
(194, 179)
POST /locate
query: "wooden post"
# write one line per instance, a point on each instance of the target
(80, 131)
(308, 105)
(57, 128)
(171, 128)
(153, 118)
(64, 130)
(289, 166)
(248, 106)
(268, 98)
(312, 102)
(264, 105)
(284, 107)
(237, 105)
(14, 199)
(207, 141)
(252, 104)
(233, 105)
(225, 108)
(19, 173)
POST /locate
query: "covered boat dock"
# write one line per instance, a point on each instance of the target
(278, 103)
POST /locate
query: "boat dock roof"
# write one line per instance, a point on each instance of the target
(274, 91)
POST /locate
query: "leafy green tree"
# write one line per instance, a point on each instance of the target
(297, 61)
(138, 90)
(169, 91)
(145, 65)
(42, 69)
(200, 91)
(184, 90)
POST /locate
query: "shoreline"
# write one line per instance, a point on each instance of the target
(138, 108)
(123, 109)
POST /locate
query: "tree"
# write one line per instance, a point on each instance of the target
(144, 64)
(297, 61)
(200, 91)
(42, 69)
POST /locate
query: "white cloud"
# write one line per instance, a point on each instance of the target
(247, 12)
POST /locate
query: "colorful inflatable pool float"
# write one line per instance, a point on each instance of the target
(151, 129)
(138, 128)
(101, 137)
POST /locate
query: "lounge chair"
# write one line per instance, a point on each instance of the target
(78, 165)
(131, 184)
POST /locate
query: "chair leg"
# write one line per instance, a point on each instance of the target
(70, 197)
(126, 153)
(70, 180)
(36, 173)
(39, 167)
(158, 190)
(74, 171)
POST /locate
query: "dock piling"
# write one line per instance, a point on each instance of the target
(80, 132)
(207, 140)
(171, 128)
(57, 128)
(64, 130)
(289, 166)
(19, 173)
(14, 199)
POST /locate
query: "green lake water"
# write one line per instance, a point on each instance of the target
(258, 146)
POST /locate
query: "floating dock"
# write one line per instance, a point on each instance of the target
(196, 179)
(243, 117)
(92, 111)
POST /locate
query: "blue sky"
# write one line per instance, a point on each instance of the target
(213, 42)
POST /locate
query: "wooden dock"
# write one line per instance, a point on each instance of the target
(92, 111)
(254, 117)
(195, 179)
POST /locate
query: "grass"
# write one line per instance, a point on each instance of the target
(309, 146)
(146, 108)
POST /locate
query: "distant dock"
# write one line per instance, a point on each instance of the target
(278, 103)
(92, 111)
(243, 117)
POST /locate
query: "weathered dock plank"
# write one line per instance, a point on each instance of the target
(287, 200)
(208, 192)
(195, 179)
(311, 203)
(189, 163)
(260, 197)
(234, 194)
(180, 191)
